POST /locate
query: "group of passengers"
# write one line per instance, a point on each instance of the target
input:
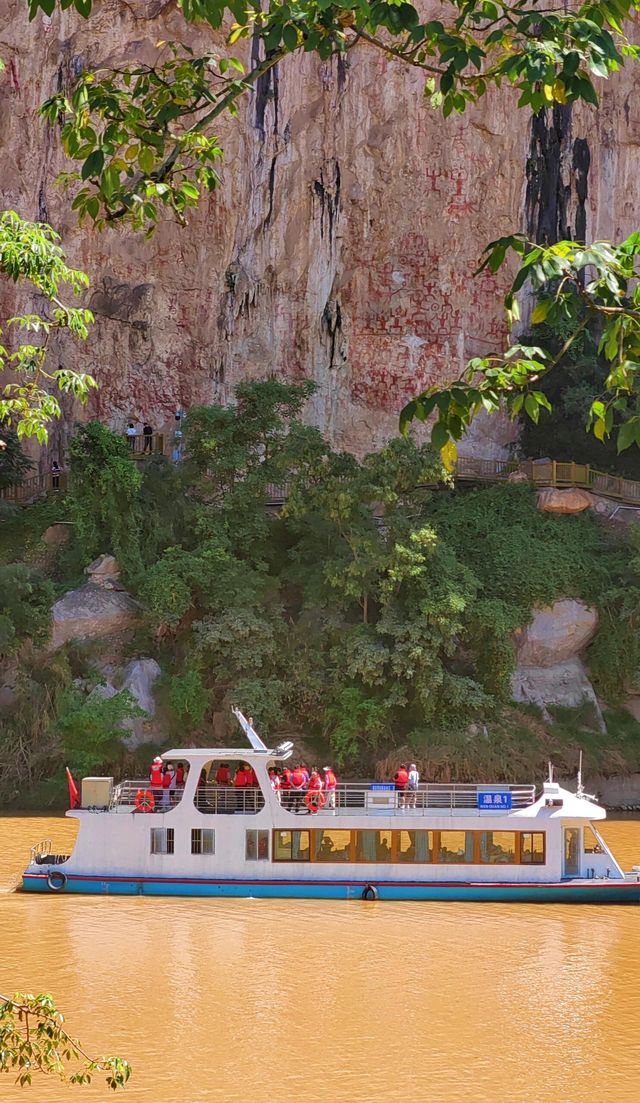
(164, 780)
(304, 790)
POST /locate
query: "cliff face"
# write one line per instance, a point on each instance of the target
(342, 241)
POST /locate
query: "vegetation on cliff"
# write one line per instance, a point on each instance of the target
(370, 612)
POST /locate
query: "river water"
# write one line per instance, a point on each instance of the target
(247, 1001)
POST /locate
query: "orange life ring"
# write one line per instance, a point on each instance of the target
(315, 800)
(145, 801)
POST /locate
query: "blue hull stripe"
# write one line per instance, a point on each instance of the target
(555, 892)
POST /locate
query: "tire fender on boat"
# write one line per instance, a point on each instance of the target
(57, 880)
(370, 892)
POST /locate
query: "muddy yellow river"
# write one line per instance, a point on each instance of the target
(245, 1001)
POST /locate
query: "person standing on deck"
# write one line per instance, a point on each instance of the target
(155, 778)
(147, 432)
(413, 782)
(223, 777)
(285, 787)
(401, 780)
(298, 786)
(167, 778)
(330, 785)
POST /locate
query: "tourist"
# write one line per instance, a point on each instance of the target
(298, 785)
(167, 778)
(252, 781)
(401, 780)
(55, 475)
(412, 785)
(180, 775)
(147, 433)
(330, 785)
(223, 775)
(276, 784)
(131, 433)
(155, 778)
(285, 787)
(240, 779)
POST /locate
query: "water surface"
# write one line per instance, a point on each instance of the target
(267, 1001)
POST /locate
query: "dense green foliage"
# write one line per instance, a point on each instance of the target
(370, 610)
(25, 607)
(14, 464)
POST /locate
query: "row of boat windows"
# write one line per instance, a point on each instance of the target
(335, 845)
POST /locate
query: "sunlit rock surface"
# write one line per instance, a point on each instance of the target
(341, 244)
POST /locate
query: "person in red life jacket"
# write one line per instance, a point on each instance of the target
(330, 786)
(252, 781)
(223, 776)
(155, 778)
(240, 780)
(401, 780)
(180, 776)
(167, 780)
(315, 785)
(298, 781)
(285, 787)
(306, 773)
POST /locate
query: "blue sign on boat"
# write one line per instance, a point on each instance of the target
(496, 801)
(383, 785)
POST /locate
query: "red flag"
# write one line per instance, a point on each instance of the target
(74, 795)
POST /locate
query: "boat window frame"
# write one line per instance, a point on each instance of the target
(168, 833)
(256, 832)
(393, 859)
(205, 833)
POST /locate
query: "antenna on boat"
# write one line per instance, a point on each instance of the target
(248, 729)
(550, 773)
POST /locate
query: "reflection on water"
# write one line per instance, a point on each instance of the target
(275, 1001)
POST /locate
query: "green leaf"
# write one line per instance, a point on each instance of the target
(93, 165)
(541, 311)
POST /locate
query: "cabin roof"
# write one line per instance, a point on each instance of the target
(237, 754)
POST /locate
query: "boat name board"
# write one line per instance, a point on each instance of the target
(495, 801)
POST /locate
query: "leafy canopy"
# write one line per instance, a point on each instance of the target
(31, 258)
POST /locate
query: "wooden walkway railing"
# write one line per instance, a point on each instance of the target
(468, 469)
(551, 473)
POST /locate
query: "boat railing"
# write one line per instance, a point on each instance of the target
(367, 799)
(376, 798)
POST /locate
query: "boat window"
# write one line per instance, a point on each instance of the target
(162, 840)
(532, 848)
(456, 846)
(373, 846)
(228, 787)
(591, 844)
(415, 846)
(202, 840)
(332, 846)
(291, 846)
(498, 847)
(257, 846)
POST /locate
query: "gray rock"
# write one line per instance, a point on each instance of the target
(556, 633)
(104, 566)
(565, 683)
(139, 677)
(91, 613)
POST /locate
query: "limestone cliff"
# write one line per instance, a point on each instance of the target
(341, 243)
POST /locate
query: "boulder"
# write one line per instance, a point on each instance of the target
(556, 633)
(565, 683)
(92, 612)
(105, 572)
(139, 677)
(56, 534)
(572, 500)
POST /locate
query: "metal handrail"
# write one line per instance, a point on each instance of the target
(348, 796)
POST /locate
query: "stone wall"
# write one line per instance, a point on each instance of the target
(341, 243)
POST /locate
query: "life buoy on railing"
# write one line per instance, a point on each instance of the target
(369, 892)
(57, 880)
(315, 800)
(144, 801)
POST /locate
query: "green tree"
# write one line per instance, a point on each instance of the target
(34, 1042)
(31, 258)
(89, 727)
(104, 501)
(14, 464)
(26, 598)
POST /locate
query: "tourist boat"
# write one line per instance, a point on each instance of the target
(442, 842)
